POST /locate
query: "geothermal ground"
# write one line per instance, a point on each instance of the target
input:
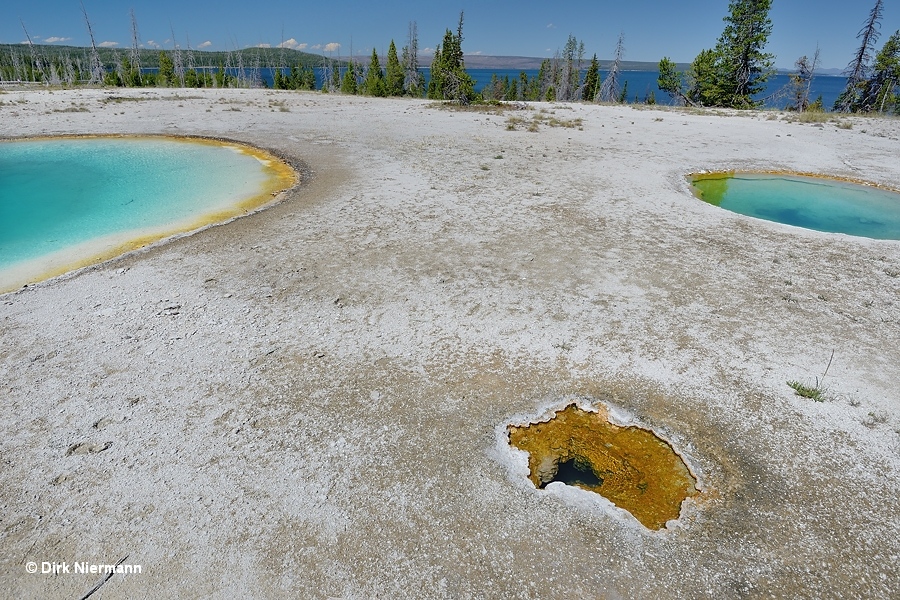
(313, 400)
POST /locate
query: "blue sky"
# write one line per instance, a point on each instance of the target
(652, 29)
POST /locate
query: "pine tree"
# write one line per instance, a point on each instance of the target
(671, 81)
(742, 68)
(705, 81)
(879, 91)
(435, 82)
(373, 84)
(591, 81)
(395, 74)
(623, 96)
(166, 75)
(335, 84)
(449, 80)
(348, 83)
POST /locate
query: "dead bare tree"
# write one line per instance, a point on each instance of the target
(801, 81)
(96, 65)
(412, 79)
(190, 54)
(176, 58)
(36, 62)
(609, 90)
(135, 56)
(858, 69)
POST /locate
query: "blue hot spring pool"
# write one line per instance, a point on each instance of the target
(68, 202)
(816, 203)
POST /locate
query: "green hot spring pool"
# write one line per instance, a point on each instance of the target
(818, 203)
(70, 202)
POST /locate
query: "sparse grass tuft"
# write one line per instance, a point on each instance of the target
(816, 392)
(120, 99)
(542, 118)
(844, 125)
(813, 116)
(491, 107)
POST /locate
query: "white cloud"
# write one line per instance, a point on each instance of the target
(332, 47)
(551, 26)
(54, 39)
(316, 47)
(426, 51)
(478, 53)
(152, 44)
(291, 43)
(205, 44)
(108, 44)
(263, 46)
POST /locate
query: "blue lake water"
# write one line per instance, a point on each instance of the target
(642, 83)
(58, 193)
(813, 203)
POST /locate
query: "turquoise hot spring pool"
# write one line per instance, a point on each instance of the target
(818, 203)
(66, 202)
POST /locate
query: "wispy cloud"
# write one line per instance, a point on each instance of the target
(263, 46)
(332, 47)
(152, 44)
(551, 26)
(316, 47)
(108, 44)
(478, 53)
(427, 51)
(205, 44)
(54, 39)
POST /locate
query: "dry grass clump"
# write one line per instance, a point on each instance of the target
(543, 117)
(491, 107)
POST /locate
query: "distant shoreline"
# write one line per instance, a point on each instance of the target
(473, 61)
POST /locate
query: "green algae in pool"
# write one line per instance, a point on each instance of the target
(811, 202)
(67, 202)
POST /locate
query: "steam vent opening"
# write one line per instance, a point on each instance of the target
(630, 466)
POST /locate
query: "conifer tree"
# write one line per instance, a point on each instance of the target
(335, 84)
(166, 75)
(348, 83)
(623, 96)
(879, 91)
(449, 80)
(435, 82)
(373, 84)
(395, 74)
(671, 81)
(591, 81)
(742, 68)
(705, 81)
